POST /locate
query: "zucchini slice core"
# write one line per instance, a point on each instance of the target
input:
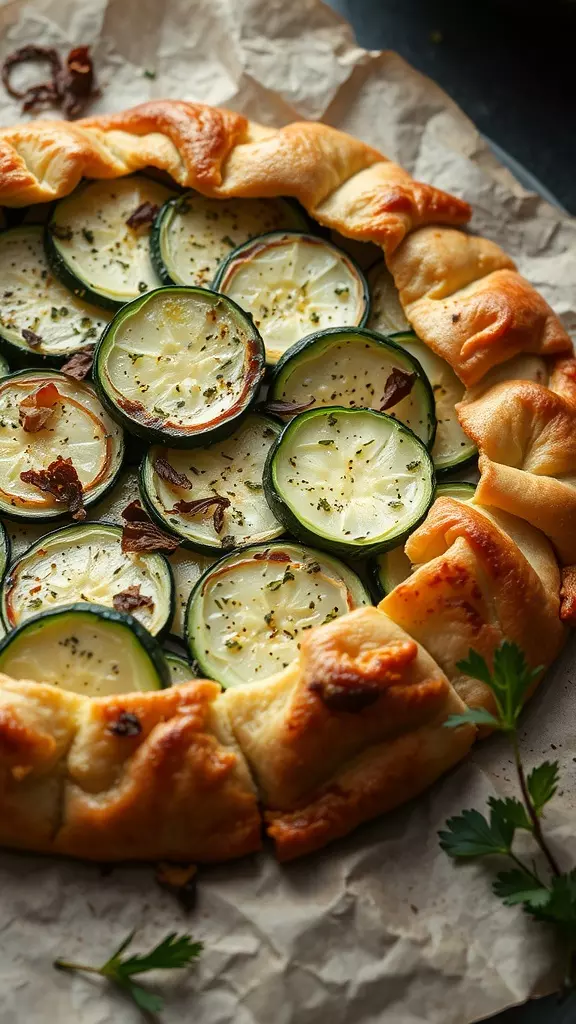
(86, 563)
(293, 284)
(180, 670)
(86, 649)
(248, 613)
(357, 368)
(78, 429)
(353, 480)
(230, 470)
(179, 366)
(391, 568)
(39, 317)
(94, 246)
(192, 234)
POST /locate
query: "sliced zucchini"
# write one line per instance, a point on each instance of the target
(356, 368)
(293, 284)
(39, 318)
(193, 234)
(180, 670)
(92, 247)
(352, 480)
(88, 649)
(4, 368)
(110, 509)
(391, 568)
(230, 470)
(179, 366)
(4, 548)
(188, 567)
(86, 563)
(452, 448)
(386, 313)
(79, 429)
(247, 615)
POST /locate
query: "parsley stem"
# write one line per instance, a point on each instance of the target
(67, 965)
(523, 867)
(536, 826)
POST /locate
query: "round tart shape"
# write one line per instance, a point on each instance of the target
(352, 480)
(85, 648)
(86, 563)
(356, 368)
(40, 319)
(180, 366)
(249, 612)
(175, 484)
(390, 568)
(192, 234)
(293, 284)
(78, 429)
(98, 239)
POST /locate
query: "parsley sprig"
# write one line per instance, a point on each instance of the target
(173, 951)
(549, 896)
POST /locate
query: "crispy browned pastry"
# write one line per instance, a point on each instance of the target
(479, 579)
(141, 776)
(527, 436)
(465, 299)
(341, 181)
(352, 729)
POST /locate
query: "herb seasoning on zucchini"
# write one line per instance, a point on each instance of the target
(247, 615)
(213, 497)
(352, 480)
(86, 563)
(59, 450)
(193, 234)
(87, 649)
(98, 239)
(355, 368)
(39, 318)
(292, 285)
(179, 366)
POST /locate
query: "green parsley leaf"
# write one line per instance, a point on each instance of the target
(472, 716)
(561, 906)
(542, 784)
(470, 834)
(509, 680)
(511, 811)
(518, 886)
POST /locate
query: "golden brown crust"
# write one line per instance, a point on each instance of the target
(342, 182)
(70, 783)
(465, 299)
(478, 580)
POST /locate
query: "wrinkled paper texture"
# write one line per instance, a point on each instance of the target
(381, 928)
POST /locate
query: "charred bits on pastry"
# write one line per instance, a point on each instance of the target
(70, 87)
(61, 481)
(126, 724)
(346, 698)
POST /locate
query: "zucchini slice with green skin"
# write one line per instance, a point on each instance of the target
(187, 566)
(180, 366)
(354, 481)
(452, 448)
(5, 547)
(87, 649)
(292, 284)
(391, 568)
(180, 670)
(92, 247)
(79, 429)
(39, 318)
(232, 470)
(86, 563)
(353, 367)
(386, 313)
(192, 234)
(247, 615)
(4, 368)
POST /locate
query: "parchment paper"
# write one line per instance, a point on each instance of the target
(381, 927)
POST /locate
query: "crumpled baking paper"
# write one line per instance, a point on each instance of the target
(381, 928)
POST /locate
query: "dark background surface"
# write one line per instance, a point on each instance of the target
(511, 66)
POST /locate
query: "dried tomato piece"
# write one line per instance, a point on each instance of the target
(131, 598)
(31, 337)
(200, 506)
(397, 387)
(167, 472)
(62, 481)
(139, 533)
(80, 364)
(272, 556)
(278, 408)
(36, 409)
(351, 699)
(75, 84)
(69, 87)
(143, 214)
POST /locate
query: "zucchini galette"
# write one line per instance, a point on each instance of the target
(225, 434)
